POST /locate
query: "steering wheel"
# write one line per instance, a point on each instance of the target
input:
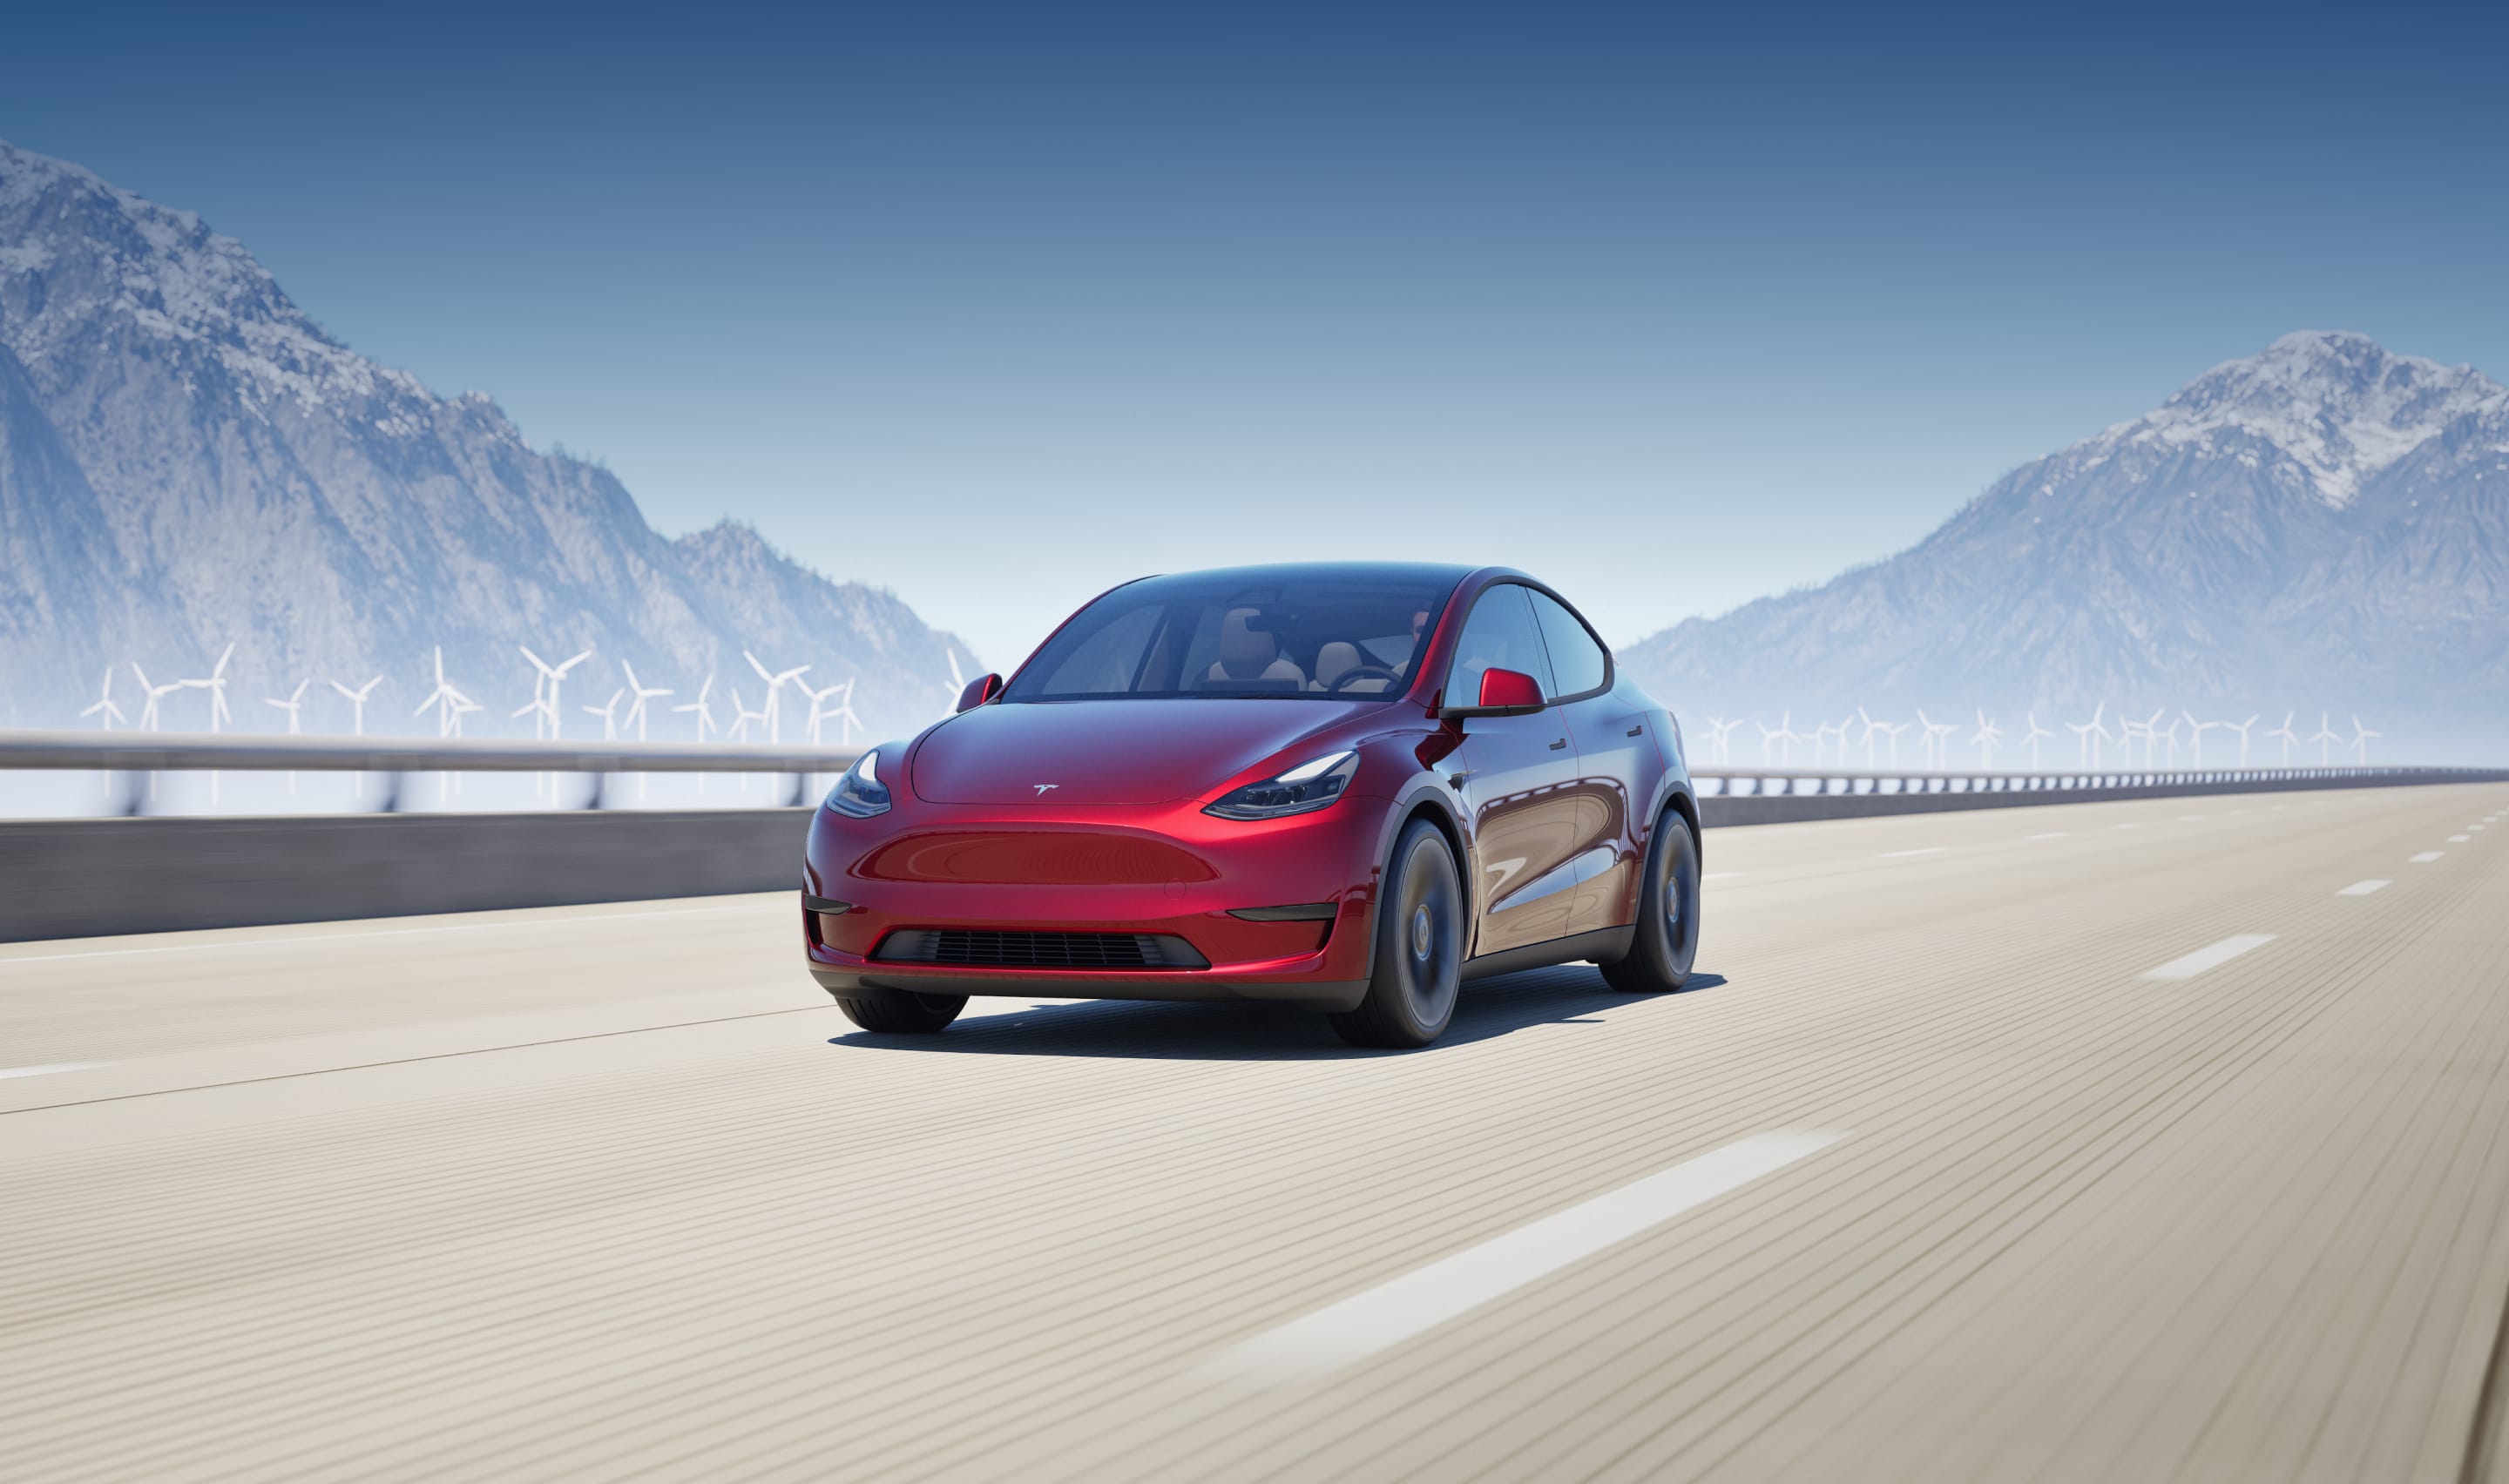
(1362, 670)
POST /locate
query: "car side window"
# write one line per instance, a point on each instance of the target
(1576, 660)
(1501, 634)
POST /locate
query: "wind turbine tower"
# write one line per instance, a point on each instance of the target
(2288, 735)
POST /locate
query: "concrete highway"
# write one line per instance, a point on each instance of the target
(2141, 1141)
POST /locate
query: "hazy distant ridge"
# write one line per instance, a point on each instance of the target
(2324, 525)
(187, 460)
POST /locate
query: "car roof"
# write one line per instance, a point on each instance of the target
(1448, 573)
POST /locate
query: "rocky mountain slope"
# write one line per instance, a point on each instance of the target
(2321, 527)
(187, 461)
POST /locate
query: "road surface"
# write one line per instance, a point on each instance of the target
(2141, 1141)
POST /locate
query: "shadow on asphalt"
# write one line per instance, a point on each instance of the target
(1569, 994)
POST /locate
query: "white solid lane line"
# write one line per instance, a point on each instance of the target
(2053, 834)
(2210, 957)
(2428, 855)
(1424, 1298)
(1893, 855)
(2361, 888)
(440, 927)
(48, 1068)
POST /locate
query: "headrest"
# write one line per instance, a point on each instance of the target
(1245, 652)
(1334, 660)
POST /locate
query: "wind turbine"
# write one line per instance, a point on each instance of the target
(2288, 736)
(104, 702)
(1871, 728)
(2091, 735)
(644, 694)
(2361, 736)
(776, 681)
(544, 691)
(1891, 731)
(2325, 738)
(608, 712)
(449, 703)
(1821, 742)
(703, 712)
(845, 716)
(216, 686)
(1988, 735)
(2241, 727)
(742, 716)
(148, 713)
(1784, 734)
(1934, 749)
(295, 706)
(358, 697)
(1718, 730)
(2032, 737)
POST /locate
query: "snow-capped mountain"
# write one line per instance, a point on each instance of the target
(187, 461)
(2321, 527)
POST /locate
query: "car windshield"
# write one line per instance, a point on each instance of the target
(1236, 633)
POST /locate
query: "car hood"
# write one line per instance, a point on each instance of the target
(1109, 752)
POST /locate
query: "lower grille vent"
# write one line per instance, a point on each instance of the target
(992, 948)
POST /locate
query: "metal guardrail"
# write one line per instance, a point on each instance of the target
(134, 757)
(174, 752)
(1803, 783)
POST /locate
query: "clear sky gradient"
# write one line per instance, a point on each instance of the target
(996, 306)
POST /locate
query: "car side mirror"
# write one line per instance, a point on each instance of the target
(982, 689)
(1504, 694)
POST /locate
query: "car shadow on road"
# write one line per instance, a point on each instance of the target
(1569, 995)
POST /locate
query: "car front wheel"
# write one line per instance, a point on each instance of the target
(900, 1012)
(1419, 946)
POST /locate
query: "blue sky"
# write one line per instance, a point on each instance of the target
(998, 306)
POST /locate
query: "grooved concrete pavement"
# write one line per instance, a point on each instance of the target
(607, 1192)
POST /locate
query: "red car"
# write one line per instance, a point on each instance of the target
(1341, 786)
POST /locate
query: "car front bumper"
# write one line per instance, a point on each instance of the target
(1142, 870)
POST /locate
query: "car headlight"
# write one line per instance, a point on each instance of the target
(861, 792)
(1309, 786)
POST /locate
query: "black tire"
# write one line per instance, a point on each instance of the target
(1419, 948)
(900, 1012)
(1666, 942)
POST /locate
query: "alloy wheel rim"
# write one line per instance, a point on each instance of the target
(1432, 930)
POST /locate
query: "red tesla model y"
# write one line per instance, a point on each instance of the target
(1343, 786)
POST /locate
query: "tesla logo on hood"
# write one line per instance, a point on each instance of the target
(1042, 786)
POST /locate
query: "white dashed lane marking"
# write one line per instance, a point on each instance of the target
(2210, 957)
(1424, 1298)
(2360, 888)
(2053, 834)
(2459, 839)
(2428, 855)
(1893, 855)
(48, 1068)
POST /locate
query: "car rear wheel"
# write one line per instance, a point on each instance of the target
(900, 1012)
(1667, 928)
(1419, 948)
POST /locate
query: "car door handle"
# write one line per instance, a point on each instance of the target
(1556, 746)
(1635, 730)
